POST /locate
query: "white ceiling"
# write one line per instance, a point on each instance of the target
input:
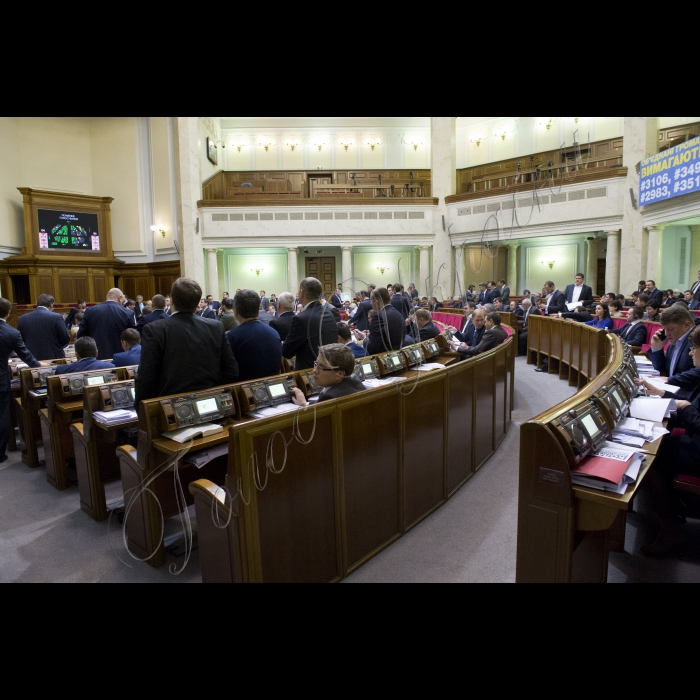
(336, 122)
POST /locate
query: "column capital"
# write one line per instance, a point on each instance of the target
(514, 245)
(426, 247)
(212, 250)
(657, 228)
(613, 233)
(347, 247)
(292, 250)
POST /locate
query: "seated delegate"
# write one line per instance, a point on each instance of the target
(634, 333)
(131, 342)
(345, 338)
(676, 455)
(493, 336)
(602, 319)
(333, 371)
(86, 352)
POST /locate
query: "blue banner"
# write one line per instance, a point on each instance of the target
(671, 173)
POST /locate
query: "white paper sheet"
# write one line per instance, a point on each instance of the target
(650, 409)
(662, 384)
(428, 367)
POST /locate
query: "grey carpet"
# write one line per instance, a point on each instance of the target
(45, 537)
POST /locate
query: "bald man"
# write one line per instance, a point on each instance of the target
(106, 323)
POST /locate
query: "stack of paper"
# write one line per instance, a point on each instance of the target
(661, 383)
(652, 409)
(613, 469)
(428, 367)
(376, 383)
(634, 432)
(114, 417)
(274, 411)
(645, 368)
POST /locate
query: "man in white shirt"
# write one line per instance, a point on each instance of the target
(578, 293)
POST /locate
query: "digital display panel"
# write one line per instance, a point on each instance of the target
(207, 406)
(61, 230)
(132, 393)
(618, 398)
(590, 425)
(367, 369)
(277, 390)
(43, 376)
(397, 361)
(94, 381)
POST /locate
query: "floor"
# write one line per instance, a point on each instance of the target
(45, 537)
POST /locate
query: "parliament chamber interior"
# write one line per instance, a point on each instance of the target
(350, 349)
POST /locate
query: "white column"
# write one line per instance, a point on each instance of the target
(444, 184)
(424, 285)
(293, 270)
(641, 141)
(513, 265)
(189, 187)
(347, 270)
(653, 271)
(212, 264)
(592, 265)
(612, 268)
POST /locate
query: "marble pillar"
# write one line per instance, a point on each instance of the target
(612, 267)
(513, 268)
(213, 279)
(293, 270)
(592, 265)
(653, 269)
(348, 284)
(444, 184)
(694, 253)
(641, 141)
(424, 282)
(189, 188)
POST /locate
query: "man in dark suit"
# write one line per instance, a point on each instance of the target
(256, 347)
(106, 323)
(556, 301)
(361, 317)
(337, 299)
(79, 309)
(215, 305)
(329, 308)
(388, 329)
(475, 333)
(530, 310)
(140, 306)
(43, 331)
(503, 291)
(579, 293)
(654, 293)
(634, 333)
(696, 295)
(131, 343)
(158, 313)
(333, 371)
(282, 324)
(312, 328)
(10, 341)
(494, 336)
(264, 301)
(205, 311)
(184, 353)
(678, 324)
(345, 338)
(401, 301)
(427, 329)
(485, 296)
(466, 327)
(86, 353)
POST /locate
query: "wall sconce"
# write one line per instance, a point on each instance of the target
(502, 134)
(265, 143)
(320, 142)
(384, 269)
(158, 229)
(292, 143)
(257, 270)
(477, 139)
(545, 122)
(347, 143)
(415, 142)
(551, 263)
(239, 145)
(373, 143)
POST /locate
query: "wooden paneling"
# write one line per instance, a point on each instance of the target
(484, 409)
(100, 287)
(460, 417)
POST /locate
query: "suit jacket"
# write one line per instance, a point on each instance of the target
(128, 359)
(11, 341)
(436, 307)
(282, 324)
(257, 349)
(44, 334)
(689, 418)
(157, 315)
(388, 331)
(349, 386)
(70, 318)
(360, 319)
(466, 333)
(216, 305)
(357, 350)
(586, 295)
(696, 297)
(428, 332)
(337, 301)
(519, 313)
(533, 312)
(182, 354)
(138, 310)
(106, 323)
(635, 336)
(505, 296)
(311, 329)
(486, 297)
(496, 336)
(208, 313)
(265, 303)
(475, 336)
(656, 295)
(331, 309)
(557, 304)
(89, 364)
(663, 362)
(266, 317)
(402, 304)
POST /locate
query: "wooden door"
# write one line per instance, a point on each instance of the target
(602, 269)
(318, 180)
(323, 269)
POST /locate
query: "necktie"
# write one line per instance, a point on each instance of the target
(695, 288)
(627, 332)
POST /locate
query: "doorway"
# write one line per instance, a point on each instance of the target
(317, 179)
(602, 268)
(323, 269)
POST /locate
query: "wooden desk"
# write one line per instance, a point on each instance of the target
(95, 447)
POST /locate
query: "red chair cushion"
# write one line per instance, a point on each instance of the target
(689, 480)
(619, 322)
